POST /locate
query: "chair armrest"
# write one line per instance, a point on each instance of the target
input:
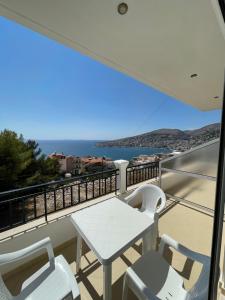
(194, 256)
(149, 295)
(162, 204)
(130, 200)
(20, 254)
(134, 280)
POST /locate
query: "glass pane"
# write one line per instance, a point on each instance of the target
(196, 190)
(201, 161)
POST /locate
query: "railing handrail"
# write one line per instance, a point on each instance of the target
(35, 202)
(27, 204)
(36, 194)
(144, 164)
(51, 183)
(187, 152)
(141, 172)
(190, 174)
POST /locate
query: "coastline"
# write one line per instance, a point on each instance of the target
(85, 148)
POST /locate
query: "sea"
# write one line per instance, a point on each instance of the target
(84, 148)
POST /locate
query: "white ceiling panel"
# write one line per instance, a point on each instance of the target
(159, 42)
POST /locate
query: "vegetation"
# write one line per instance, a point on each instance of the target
(22, 164)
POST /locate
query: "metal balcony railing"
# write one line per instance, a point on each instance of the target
(142, 172)
(23, 205)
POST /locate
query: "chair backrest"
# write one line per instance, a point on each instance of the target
(200, 290)
(153, 198)
(21, 254)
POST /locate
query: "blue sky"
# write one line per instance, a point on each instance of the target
(49, 91)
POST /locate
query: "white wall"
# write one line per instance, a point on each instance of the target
(62, 163)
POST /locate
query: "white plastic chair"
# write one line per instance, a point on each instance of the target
(54, 281)
(152, 200)
(222, 276)
(151, 277)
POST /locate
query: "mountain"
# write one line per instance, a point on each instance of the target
(168, 138)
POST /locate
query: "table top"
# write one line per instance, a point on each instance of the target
(110, 227)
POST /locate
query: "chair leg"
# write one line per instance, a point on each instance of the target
(125, 288)
(79, 252)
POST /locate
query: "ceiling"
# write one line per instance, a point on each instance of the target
(159, 42)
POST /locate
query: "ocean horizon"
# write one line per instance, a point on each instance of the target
(88, 147)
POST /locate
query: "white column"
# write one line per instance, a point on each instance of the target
(122, 166)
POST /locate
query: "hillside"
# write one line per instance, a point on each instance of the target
(168, 138)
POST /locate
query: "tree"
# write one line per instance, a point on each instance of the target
(22, 164)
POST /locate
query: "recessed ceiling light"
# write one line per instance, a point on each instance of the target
(194, 75)
(122, 8)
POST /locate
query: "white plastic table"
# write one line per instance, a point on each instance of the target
(109, 228)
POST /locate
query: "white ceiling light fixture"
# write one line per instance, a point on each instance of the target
(122, 8)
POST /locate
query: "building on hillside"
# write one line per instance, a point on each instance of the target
(68, 163)
(144, 159)
(163, 156)
(78, 165)
(96, 164)
(61, 158)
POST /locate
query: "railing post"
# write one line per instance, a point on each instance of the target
(122, 177)
(45, 206)
(160, 174)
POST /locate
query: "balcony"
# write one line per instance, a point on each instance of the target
(142, 44)
(183, 222)
(184, 219)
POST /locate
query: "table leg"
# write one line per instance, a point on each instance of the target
(148, 241)
(79, 252)
(155, 235)
(107, 282)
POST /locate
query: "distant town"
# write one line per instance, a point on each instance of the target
(74, 165)
(174, 139)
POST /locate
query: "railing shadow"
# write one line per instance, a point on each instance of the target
(117, 286)
(85, 277)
